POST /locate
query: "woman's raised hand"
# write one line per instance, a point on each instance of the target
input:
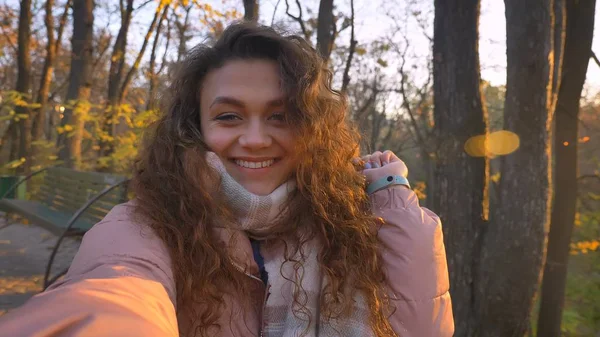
(379, 164)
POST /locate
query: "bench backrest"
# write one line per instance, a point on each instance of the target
(67, 190)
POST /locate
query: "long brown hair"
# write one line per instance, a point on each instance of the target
(176, 201)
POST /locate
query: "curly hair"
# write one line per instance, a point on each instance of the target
(175, 198)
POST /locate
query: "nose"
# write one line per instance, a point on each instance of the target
(256, 136)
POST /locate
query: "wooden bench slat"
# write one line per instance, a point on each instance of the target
(92, 177)
(47, 192)
(42, 215)
(77, 190)
(62, 191)
(99, 208)
(60, 194)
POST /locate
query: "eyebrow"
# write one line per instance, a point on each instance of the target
(236, 102)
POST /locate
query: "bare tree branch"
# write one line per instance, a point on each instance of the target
(405, 101)
(592, 209)
(369, 101)
(61, 26)
(152, 74)
(162, 6)
(274, 12)
(102, 48)
(143, 5)
(182, 29)
(164, 57)
(593, 55)
(297, 18)
(423, 27)
(589, 176)
(353, 42)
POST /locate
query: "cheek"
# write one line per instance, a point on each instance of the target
(287, 140)
(218, 140)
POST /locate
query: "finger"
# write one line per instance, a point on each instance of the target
(366, 162)
(394, 158)
(395, 168)
(358, 163)
(385, 157)
(376, 159)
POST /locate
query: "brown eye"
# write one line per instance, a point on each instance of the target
(278, 116)
(227, 117)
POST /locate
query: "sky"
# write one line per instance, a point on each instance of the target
(493, 44)
(373, 21)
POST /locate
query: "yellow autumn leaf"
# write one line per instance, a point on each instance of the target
(360, 51)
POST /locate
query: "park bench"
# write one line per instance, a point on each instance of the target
(67, 203)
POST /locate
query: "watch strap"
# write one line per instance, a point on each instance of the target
(386, 182)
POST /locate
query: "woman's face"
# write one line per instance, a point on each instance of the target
(242, 116)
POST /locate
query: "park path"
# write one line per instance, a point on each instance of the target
(24, 253)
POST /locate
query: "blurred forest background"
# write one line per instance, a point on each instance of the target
(511, 163)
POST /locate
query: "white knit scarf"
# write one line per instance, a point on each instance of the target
(256, 215)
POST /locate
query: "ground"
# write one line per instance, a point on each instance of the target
(24, 253)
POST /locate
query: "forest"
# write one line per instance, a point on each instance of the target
(512, 166)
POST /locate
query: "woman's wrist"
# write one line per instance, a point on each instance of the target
(386, 182)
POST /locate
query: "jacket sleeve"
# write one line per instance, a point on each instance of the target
(414, 260)
(119, 284)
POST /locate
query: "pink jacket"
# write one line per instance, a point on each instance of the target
(121, 283)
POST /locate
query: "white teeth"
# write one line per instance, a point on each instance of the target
(254, 165)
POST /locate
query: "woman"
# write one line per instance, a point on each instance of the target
(251, 217)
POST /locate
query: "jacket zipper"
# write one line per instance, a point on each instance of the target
(265, 296)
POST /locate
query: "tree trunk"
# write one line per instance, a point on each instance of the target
(251, 10)
(115, 76)
(13, 130)
(558, 45)
(24, 83)
(325, 29)
(39, 122)
(162, 6)
(151, 104)
(113, 124)
(117, 59)
(429, 166)
(181, 33)
(514, 245)
(580, 28)
(46, 78)
(351, 50)
(79, 83)
(460, 180)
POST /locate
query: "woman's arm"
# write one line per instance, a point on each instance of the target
(412, 248)
(119, 284)
(414, 259)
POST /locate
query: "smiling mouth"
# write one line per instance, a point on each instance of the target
(255, 164)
